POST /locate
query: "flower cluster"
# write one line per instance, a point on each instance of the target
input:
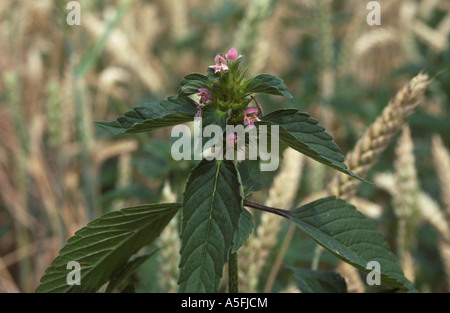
(221, 62)
(226, 93)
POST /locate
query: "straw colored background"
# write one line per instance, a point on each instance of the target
(58, 172)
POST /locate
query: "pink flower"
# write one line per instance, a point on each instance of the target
(205, 95)
(231, 140)
(250, 115)
(221, 64)
(232, 56)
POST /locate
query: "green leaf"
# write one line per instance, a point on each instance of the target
(268, 84)
(309, 281)
(192, 83)
(244, 230)
(128, 270)
(212, 76)
(149, 116)
(303, 133)
(350, 236)
(212, 206)
(212, 115)
(103, 247)
(250, 174)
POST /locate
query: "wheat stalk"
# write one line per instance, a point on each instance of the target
(431, 212)
(405, 200)
(379, 135)
(441, 161)
(444, 25)
(256, 14)
(373, 143)
(178, 18)
(444, 248)
(436, 40)
(429, 209)
(169, 256)
(120, 47)
(372, 39)
(281, 195)
(351, 276)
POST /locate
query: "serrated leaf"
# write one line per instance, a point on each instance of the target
(268, 84)
(250, 174)
(212, 206)
(349, 235)
(304, 134)
(212, 115)
(309, 281)
(244, 230)
(149, 116)
(192, 83)
(103, 247)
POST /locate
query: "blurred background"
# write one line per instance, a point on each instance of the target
(58, 171)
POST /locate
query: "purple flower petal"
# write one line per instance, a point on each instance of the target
(232, 56)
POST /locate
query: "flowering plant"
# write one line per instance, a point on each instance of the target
(215, 223)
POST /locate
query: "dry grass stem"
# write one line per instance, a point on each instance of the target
(444, 248)
(429, 209)
(368, 208)
(441, 162)
(145, 69)
(351, 276)
(170, 244)
(433, 214)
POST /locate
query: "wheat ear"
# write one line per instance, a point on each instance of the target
(372, 144)
(405, 200)
(379, 135)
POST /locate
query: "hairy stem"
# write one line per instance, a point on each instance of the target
(233, 281)
(261, 207)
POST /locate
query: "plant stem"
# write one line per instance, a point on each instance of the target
(233, 282)
(261, 207)
(316, 258)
